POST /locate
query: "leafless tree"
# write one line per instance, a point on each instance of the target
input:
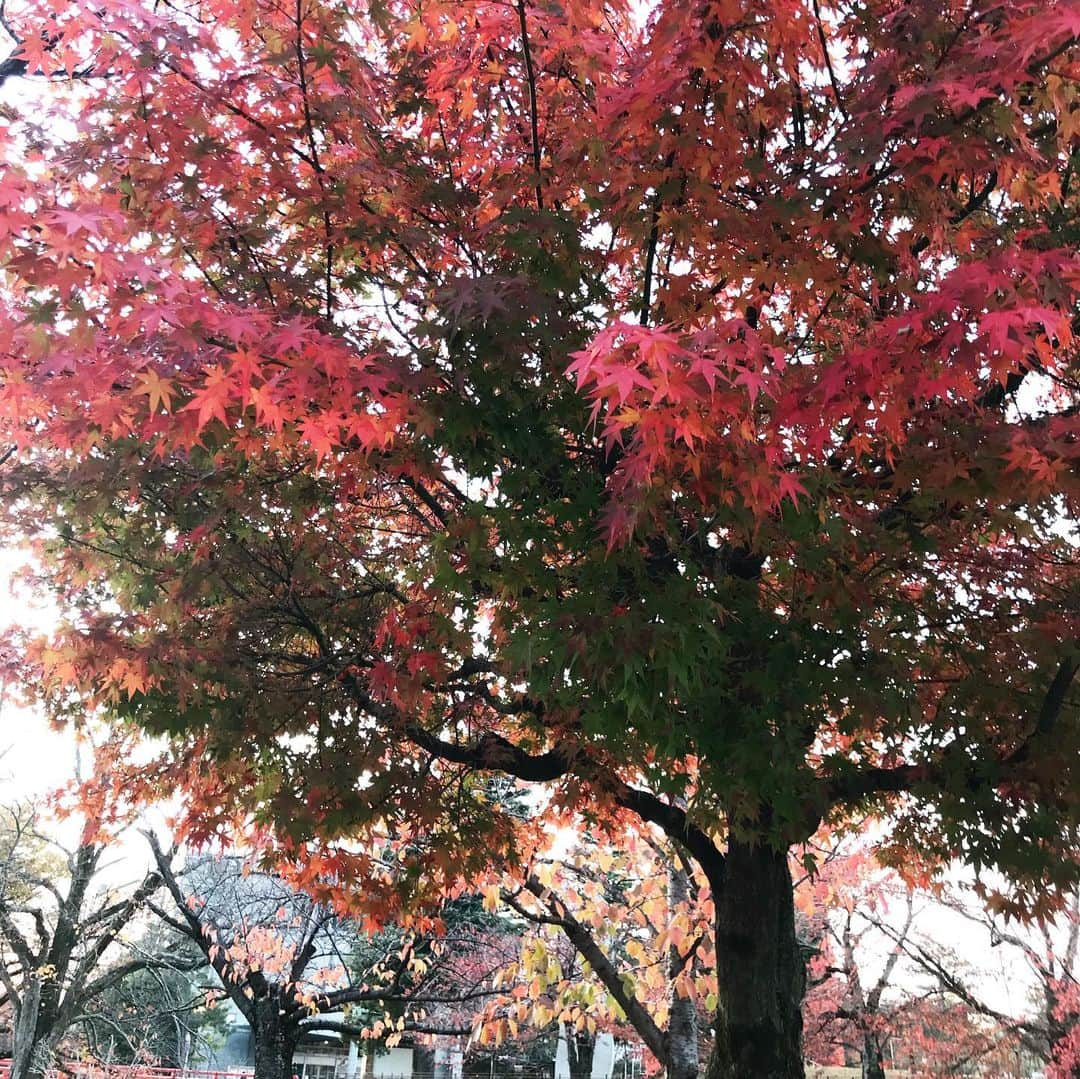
(59, 934)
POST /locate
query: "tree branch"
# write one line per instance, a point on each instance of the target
(955, 761)
(530, 76)
(594, 955)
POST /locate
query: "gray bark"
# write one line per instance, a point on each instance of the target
(873, 1064)
(37, 1030)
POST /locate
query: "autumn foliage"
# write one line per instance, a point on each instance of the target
(672, 408)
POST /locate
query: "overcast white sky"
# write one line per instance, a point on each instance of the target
(33, 758)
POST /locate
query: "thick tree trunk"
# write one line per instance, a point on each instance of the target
(35, 1034)
(580, 1050)
(761, 973)
(873, 1063)
(274, 1043)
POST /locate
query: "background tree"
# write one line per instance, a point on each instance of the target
(938, 1035)
(890, 988)
(1065, 1053)
(1044, 955)
(620, 942)
(436, 977)
(854, 998)
(676, 409)
(59, 931)
(166, 1016)
(292, 966)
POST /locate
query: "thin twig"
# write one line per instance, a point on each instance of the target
(828, 61)
(316, 164)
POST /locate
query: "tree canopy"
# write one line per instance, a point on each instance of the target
(676, 410)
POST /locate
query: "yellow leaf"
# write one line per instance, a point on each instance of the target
(159, 390)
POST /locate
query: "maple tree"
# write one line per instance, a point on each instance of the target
(675, 410)
(936, 1037)
(890, 985)
(851, 1004)
(1065, 1051)
(864, 1003)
